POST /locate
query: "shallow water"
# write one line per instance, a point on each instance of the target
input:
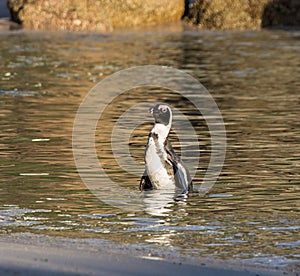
(252, 212)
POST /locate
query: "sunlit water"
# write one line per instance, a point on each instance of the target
(252, 212)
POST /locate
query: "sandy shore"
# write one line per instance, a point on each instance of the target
(47, 256)
(17, 259)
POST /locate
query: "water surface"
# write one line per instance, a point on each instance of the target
(252, 212)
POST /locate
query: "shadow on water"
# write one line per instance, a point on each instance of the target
(253, 209)
(4, 12)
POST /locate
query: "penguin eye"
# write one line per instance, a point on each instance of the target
(164, 109)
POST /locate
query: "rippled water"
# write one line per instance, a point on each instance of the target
(253, 209)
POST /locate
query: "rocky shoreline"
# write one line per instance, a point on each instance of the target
(105, 16)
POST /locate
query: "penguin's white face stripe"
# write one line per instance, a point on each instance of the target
(164, 108)
(162, 114)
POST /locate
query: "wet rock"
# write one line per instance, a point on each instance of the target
(249, 14)
(93, 15)
(58, 15)
(227, 14)
(281, 13)
(8, 25)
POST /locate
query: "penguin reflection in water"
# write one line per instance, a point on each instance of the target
(163, 167)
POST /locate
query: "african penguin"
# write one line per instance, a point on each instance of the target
(163, 167)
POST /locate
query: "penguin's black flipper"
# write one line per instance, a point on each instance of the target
(189, 179)
(145, 183)
(182, 176)
(190, 186)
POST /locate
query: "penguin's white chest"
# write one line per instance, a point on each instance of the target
(155, 157)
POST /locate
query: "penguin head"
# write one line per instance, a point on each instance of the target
(162, 114)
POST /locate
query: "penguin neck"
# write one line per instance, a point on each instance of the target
(162, 131)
